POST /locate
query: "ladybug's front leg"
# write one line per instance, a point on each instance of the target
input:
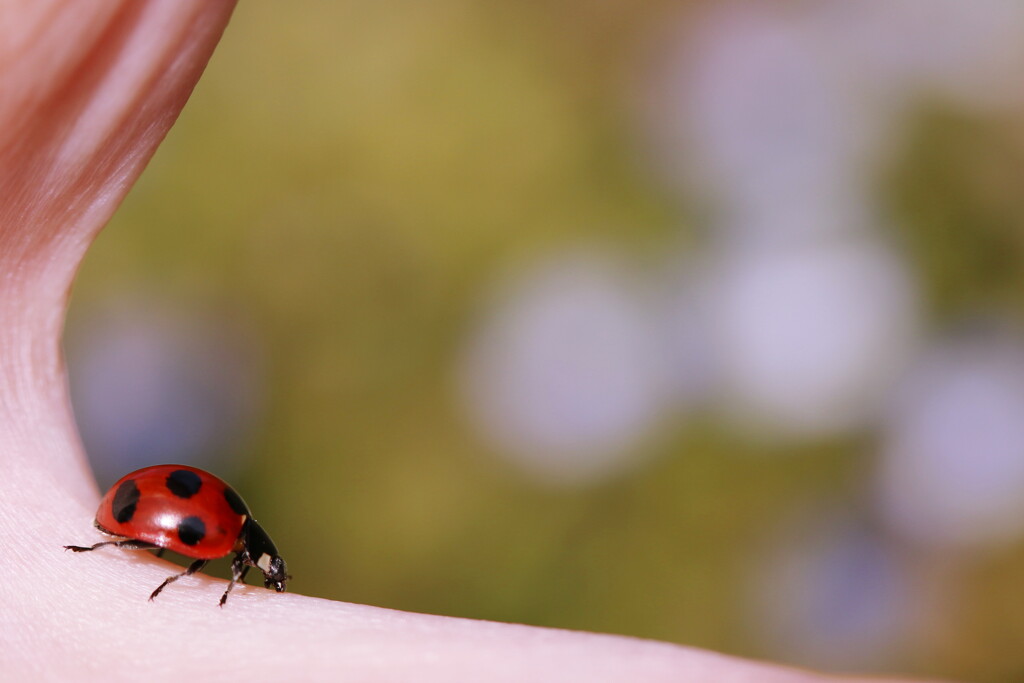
(238, 571)
(192, 569)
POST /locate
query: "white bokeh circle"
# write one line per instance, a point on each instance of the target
(808, 336)
(952, 467)
(566, 372)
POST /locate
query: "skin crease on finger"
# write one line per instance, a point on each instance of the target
(88, 90)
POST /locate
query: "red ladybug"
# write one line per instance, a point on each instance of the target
(192, 512)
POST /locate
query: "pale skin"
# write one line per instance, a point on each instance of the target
(88, 89)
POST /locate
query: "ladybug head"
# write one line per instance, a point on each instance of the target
(276, 573)
(262, 553)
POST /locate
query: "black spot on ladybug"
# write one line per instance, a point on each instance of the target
(235, 501)
(125, 500)
(191, 530)
(183, 483)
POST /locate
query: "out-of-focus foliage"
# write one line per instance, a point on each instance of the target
(958, 197)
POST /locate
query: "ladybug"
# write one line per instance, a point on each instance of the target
(192, 512)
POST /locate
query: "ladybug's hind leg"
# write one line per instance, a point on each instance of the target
(192, 569)
(126, 545)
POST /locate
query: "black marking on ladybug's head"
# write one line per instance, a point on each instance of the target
(236, 502)
(262, 553)
(184, 483)
(191, 530)
(125, 499)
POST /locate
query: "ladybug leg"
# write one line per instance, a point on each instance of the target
(192, 569)
(238, 571)
(127, 545)
(160, 552)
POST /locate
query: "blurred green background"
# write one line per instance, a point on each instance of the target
(344, 188)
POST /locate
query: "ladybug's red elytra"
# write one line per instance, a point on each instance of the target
(192, 512)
